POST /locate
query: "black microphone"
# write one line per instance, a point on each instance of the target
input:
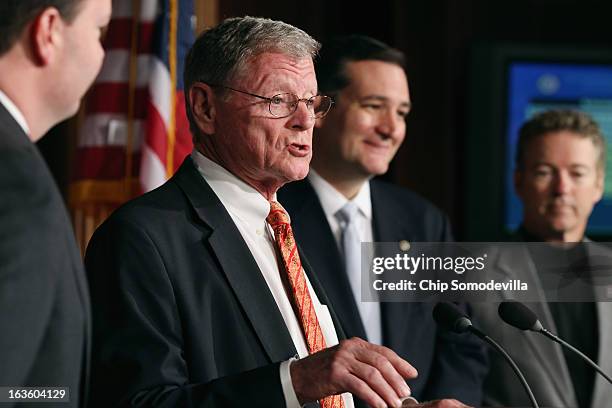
(449, 317)
(520, 316)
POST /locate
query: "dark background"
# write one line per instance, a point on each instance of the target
(437, 37)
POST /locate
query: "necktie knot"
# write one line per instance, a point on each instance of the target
(277, 216)
(347, 213)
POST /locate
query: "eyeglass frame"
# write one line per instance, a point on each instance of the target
(269, 100)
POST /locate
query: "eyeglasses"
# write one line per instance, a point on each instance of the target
(285, 104)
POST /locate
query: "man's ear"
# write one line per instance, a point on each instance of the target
(321, 121)
(202, 102)
(46, 35)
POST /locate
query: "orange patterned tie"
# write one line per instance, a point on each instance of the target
(283, 234)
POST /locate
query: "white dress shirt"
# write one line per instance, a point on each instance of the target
(332, 201)
(15, 112)
(249, 209)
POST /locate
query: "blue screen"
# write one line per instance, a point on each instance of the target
(534, 87)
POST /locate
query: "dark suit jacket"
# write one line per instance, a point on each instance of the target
(449, 365)
(44, 305)
(182, 314)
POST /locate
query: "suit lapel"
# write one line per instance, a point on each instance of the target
(602, 392)
(321, 294)
(548, 354)
(314, 235)
(238, 264)
(386, 228)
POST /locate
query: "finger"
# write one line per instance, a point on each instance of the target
(404, 368)
(372, 376)
(390, 375)
(363, 391)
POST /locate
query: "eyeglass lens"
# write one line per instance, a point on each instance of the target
(285, 104)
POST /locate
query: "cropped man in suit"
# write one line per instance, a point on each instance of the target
(355, 142)
(559, 177)
(200, 294)
(49, 55)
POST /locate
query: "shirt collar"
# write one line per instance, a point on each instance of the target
(242, 200)
(332, 200)
(15, 112)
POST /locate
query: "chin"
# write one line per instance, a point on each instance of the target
(71, 111)
(295, 174)
(375, 170)
(562, 227)
(300, 176)
(300, 168)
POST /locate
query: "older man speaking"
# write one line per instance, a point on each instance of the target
(200, 294)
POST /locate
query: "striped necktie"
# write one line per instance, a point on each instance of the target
(302, 302)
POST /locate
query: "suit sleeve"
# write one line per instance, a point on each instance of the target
(28, 265)
(138, 354)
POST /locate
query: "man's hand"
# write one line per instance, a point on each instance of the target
(372, 373)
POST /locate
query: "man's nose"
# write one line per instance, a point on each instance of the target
(563, 183)
(389, 123)
(303, 117)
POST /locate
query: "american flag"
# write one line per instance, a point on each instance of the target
(134, 131)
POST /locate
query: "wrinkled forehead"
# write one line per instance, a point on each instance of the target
(276, 69)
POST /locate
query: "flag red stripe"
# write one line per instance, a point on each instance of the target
(103, 163)
(156, 137)
(112, 97)
(119, 35)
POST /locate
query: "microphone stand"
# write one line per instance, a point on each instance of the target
(515, 368)
(575, 350)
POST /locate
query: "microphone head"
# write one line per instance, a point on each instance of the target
(518, 315)
(448, 316)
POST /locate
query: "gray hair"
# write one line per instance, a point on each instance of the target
(222, 53)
